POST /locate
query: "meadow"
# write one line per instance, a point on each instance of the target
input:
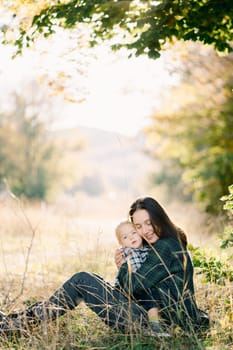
(43, 245)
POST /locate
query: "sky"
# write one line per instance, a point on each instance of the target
(123, 94)
(117, 93)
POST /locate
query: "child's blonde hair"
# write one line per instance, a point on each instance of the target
(119, 227)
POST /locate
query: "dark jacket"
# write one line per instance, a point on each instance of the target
(168, 274)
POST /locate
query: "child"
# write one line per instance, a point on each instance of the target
(131, 246)
(135, 254)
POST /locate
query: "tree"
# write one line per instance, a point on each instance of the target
(26, 153)
(142, 26)
(193, 130)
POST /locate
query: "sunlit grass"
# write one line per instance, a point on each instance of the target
(41, 249)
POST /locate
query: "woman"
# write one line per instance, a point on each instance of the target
(167, 274)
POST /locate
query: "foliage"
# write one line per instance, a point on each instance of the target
(26, 154)
(213, 269)
(143, 26)
(228, 200)
(227, 240)
(193, 130)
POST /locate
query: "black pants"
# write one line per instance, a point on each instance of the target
(115, 308)
(110, 304)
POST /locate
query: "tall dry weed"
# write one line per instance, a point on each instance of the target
(41, 249)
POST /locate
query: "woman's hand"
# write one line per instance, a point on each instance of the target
(119, 259)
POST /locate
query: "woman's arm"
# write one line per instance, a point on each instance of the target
(154, 269)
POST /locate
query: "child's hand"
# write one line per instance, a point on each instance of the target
(119, 259)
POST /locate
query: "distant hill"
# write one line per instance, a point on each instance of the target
(114, 163)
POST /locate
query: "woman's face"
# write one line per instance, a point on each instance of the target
(142, 223)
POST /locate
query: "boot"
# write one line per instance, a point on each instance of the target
(10, 327)
(2, 316)
(19, 321)
(44, 311)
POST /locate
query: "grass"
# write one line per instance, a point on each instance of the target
(41, 249)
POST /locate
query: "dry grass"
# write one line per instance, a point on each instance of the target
(41, 247)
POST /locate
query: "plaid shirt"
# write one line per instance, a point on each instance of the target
(136, 257)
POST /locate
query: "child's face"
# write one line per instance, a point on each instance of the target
(129, 238)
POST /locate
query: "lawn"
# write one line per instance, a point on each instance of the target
(41, 248)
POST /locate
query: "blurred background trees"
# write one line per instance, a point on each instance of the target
(194, 127)
(27, 154)
(192, 131)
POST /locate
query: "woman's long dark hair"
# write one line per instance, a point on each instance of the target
(161, 223)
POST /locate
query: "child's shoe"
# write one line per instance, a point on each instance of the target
(156, 329)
